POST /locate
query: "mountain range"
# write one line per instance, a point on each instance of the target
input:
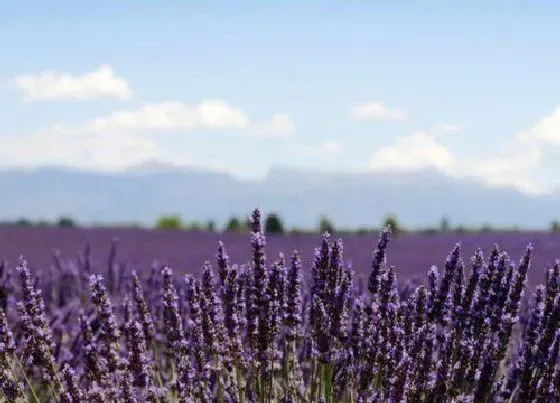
(350, 200)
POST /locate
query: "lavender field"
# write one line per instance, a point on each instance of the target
(182, 317)
(412, 254)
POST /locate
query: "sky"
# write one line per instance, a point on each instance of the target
(359, 86)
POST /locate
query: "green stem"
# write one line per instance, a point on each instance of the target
(285, 368)
(327, 375)
(219, 373)
(260, 386)
(25, 378)
(157, 368)
(271, 391)
(313, 378)
(240, 384)
(173, 380)
(320, 374)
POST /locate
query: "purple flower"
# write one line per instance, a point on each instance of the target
(294, 300)
(379, 261)
(142, 310)
(108, 331)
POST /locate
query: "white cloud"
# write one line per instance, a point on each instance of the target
(279, 125)
(72, 146)
(332, 147)
(130, 137)
(547, 130)
(209, 114)
(320, 150)
(415, 151)
(61, 86)
(516, 164)
(378, 111)
(448, 128)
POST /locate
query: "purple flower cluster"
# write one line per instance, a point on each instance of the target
(258, 332)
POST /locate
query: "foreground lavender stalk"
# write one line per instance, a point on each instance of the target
(12, 389)
(38, 352)
(109, 332)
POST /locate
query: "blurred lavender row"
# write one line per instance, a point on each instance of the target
(277, 328)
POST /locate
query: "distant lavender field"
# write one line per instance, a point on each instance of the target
(412, 254)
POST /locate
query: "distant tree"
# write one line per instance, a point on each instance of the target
(555, 226)
(444, 225)
(325, 224)
(273, 224)
(170, 222)
(23, 222)
(194, 226)
(391, 220)
(486, 228)
(65, 222)
(233, 225)
(211, 226)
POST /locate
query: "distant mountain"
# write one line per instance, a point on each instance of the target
(352, 200)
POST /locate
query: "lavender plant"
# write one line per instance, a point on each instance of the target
(258, 332)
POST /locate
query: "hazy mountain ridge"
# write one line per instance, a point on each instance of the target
(350, 200)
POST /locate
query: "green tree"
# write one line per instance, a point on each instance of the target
(211, 226)
(23, 222)
(486, 228)
(555, 226)
(273, 224)
(325, 224)
(444, 224)
(391, 220)
(65, 222)
(170, 222)
(233, 225)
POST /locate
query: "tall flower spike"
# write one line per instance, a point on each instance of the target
(293, 314)
(138, 360)
(197, 341)
(223, 263)
(379, 261)
(126, 392)
(112, 265)
(232, 314)
(74, 393)
(95, 366)
(446, 282)
(12, 389)
(142, 310)
(510, 316)
(213, 321)
(108, 331)
(174, 331)
(39, 347)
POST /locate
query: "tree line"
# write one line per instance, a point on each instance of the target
(273, 224)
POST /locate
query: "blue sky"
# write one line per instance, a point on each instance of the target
(322, 85)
